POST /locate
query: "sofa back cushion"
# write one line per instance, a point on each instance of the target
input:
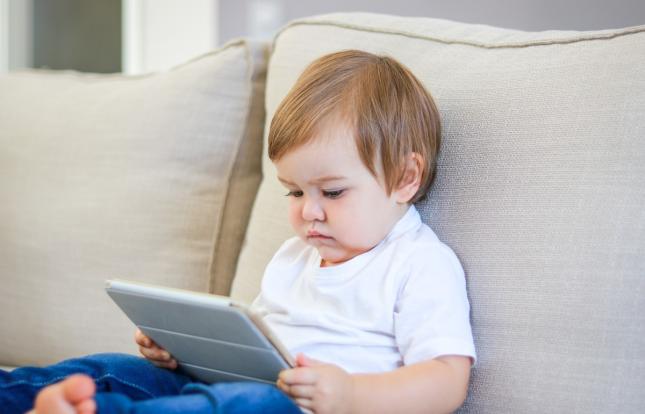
(540, 192)
(148, 178)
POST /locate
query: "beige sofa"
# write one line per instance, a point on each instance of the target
(161, 178)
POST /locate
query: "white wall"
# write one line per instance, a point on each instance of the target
(20, 34)
(16, 39)
(4, 35)
(158, 34)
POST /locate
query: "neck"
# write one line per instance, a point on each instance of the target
(400, 212)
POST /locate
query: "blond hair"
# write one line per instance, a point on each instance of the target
(386, 106)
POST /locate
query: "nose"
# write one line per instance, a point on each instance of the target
(312, 210)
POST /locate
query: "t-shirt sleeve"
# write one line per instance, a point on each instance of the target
(432, 314)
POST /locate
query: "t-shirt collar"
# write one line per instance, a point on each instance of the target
(411, 219)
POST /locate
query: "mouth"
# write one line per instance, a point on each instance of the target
(311, 234)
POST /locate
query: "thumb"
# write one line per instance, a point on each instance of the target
(304, 361)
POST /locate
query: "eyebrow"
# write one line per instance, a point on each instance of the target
(319, 180)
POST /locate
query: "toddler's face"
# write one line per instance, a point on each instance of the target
(336, 205)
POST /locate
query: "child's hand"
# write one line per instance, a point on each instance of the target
(153, 352)
(314, 385)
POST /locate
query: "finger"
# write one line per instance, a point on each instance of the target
(304, 402)
(303, 360)
(299, 376)
(138, 336)
(142, 339)
(172, 364)
(282, 386)
(149, 353)
(302, 391)
(155, 353)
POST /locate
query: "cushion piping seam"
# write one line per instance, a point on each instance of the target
(597, 36)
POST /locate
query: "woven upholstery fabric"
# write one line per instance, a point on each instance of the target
(109, 176)
(245, 177)
(540, 192)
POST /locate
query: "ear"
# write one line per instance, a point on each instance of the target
(411, 181)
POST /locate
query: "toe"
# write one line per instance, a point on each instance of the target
(65, 396)
(51, 400)
(86, 407)
(78, 388)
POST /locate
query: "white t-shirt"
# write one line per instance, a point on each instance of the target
(404, 301)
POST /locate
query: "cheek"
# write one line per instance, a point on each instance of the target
(295, 218)
(347, 216)
(360, 221)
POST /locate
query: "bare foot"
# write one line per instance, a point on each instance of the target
(73, 395)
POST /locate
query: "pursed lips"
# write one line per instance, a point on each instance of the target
(315, 235)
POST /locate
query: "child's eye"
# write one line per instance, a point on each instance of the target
(294, 194)
(333, 193)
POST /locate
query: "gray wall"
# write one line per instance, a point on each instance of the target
(77, 34)
(259, 18)
(86, 34)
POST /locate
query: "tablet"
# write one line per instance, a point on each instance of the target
(213, 338)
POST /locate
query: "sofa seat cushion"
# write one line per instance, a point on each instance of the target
(149, 178)
(540, 192)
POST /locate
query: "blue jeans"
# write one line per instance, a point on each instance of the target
(132, 385)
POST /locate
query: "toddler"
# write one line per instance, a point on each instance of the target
(372, 303)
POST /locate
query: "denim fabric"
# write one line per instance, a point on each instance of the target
(222, 398)
(129, 384)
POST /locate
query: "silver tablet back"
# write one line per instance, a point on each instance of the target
(211, 340)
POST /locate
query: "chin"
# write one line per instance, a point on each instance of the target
(333, 256)
(331, 260)
(327, 263)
